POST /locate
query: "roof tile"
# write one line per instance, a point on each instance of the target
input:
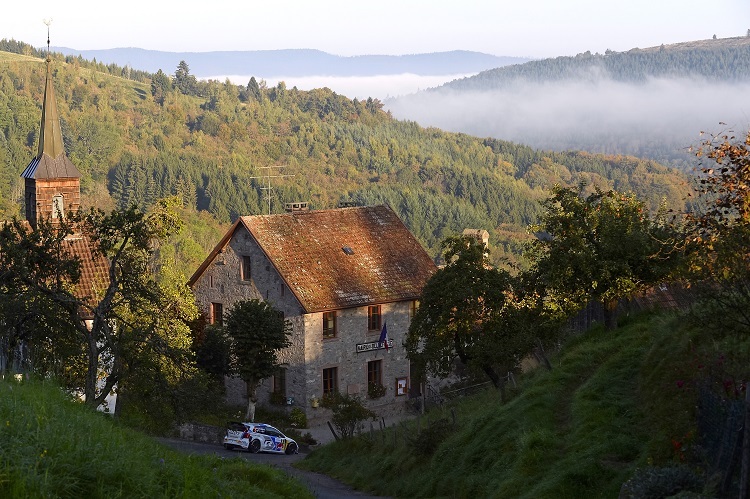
(386, 263)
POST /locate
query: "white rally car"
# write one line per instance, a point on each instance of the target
(258, 437)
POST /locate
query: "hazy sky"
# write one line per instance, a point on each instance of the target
(533, 28)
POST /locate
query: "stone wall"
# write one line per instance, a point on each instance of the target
(222, 283)
(202, 433)
(341, 352)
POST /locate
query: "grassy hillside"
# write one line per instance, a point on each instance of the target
(210, 141)
(610, 404)
(53, 447)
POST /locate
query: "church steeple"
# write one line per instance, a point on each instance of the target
(53, 183)
(50, 133)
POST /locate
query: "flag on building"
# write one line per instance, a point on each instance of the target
(384, 337)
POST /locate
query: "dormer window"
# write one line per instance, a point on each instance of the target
(58, 208)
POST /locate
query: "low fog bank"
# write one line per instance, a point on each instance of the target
(660, 119)
(360, 87)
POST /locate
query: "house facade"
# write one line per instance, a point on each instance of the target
(340, 277)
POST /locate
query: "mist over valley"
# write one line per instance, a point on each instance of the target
(660, 118)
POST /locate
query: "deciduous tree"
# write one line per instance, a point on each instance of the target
(601, 247)
(258, 332)
(461, 314)
(131, 315)
(719, 235)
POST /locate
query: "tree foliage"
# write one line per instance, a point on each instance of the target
(600, 247)
(466, 312)
(136, 318)
(719, 234)
(348, 412)
(206, 146)
(258, 332)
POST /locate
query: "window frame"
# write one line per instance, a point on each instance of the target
(246, 273)
(374, 318)
(279, 381)
(333, 331)
(58, 206)
(217, 307)
(330, 380)
(375, 372)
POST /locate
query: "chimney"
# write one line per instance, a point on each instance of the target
(296, 207)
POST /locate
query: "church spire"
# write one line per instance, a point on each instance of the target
(50, 133)
(52, 182)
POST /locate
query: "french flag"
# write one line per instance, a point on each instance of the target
(384, 337)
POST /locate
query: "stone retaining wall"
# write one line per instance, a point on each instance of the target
(202, 433)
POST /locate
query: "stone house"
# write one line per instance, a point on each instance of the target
(340, 276)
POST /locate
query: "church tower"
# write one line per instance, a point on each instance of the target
(52, 182)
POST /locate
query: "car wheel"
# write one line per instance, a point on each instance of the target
(254, 446)
(291, 448)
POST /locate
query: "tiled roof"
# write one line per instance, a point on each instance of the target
(94, 269)
(346, 257)
(342, 258)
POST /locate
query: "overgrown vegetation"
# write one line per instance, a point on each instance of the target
(579, 430)
(51, 446)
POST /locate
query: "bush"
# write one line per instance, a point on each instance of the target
(375, 390)
(348, 412)
(297, 418)
(306, 439)
(426, 442)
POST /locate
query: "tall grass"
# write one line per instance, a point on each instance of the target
(579, 430)
(51, 446)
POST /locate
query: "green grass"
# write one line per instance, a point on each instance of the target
(53, 447)
(609, 405)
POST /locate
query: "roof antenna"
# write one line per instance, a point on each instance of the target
(48, 22)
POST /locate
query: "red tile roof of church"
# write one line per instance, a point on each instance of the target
(94, 269)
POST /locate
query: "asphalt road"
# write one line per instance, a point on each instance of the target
(322, 486)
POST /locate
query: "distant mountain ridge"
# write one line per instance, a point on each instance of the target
(726, 59)
(297, 62)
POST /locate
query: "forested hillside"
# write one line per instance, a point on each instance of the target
(136, 141)
(652, 103)
(715, 60)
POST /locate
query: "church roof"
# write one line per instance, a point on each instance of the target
(94, 269)
(340, 258)
(51, 160)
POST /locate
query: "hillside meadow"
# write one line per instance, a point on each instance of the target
(614, 402)
(53, 446)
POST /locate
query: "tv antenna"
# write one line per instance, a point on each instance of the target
(268, 190)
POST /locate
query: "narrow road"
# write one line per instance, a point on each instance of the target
(321, 486)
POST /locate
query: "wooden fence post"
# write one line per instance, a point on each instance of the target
(336, 437)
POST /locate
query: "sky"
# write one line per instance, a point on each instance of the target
(531, 28)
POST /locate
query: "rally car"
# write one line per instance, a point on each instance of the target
(258, 437)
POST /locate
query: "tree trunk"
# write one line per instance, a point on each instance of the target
(542, 355)
(490, 372)
(252, 399)
(610, 314)
(92, 369)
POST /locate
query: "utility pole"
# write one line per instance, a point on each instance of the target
(267, 187)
